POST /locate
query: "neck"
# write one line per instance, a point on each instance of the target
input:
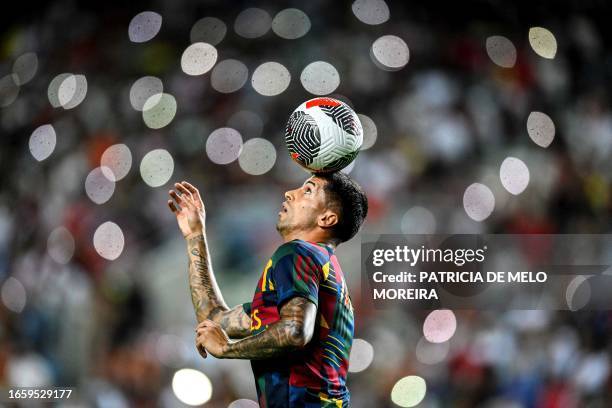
(311, 236)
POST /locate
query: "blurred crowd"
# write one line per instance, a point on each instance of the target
(118, 330)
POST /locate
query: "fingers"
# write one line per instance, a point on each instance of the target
(172, 206)
(201, 349)
(194, 191)
(183, 190)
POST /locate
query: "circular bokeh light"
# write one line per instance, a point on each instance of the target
(501, 51)
(72, 91)
(543, 42)
(409, 391)
(270, 78)
(116, 162)
(157, 167)
(9, 90)
(370, 132)
(541, 129)
(209, 30)
(54, 87)
(13, 295)
(439, 326)
(252, 23)
(158, 111)
(257, 156)
(478, 201)
(372, 12)
(418, 220)
(198, 58)
(224, 145)
(144, 88)
(578, 293)
(514, 175)
(320, 78)
(243, 403)
(144, 26)
(98, 187)
(290, 24)
(191, 387)
(42, 142)
(229, 76)
(362, 354)
(390, 53)
(25, 67)
(108, 240)
(60, 245)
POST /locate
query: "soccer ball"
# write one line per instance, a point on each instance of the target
(323, 135)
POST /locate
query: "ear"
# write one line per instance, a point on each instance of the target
(328, 219)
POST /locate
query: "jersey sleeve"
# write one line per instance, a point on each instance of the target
(297, 273)
(246, 307)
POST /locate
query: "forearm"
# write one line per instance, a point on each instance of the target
(205, 294)
(277, 340)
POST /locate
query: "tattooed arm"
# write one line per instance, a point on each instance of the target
(293, 331)
(206, 296)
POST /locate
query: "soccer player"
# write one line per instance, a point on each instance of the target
(298, 329)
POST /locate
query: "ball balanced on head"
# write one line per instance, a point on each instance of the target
(323, 135)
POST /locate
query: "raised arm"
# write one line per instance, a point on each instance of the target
(292, 332)
(208, 303)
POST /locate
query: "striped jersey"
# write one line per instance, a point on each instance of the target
(314, 376)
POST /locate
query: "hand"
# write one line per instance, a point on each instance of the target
(211, 338)
(190, 214)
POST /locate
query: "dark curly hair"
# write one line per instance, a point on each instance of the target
(347, 198)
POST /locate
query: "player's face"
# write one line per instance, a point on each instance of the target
(301, 207)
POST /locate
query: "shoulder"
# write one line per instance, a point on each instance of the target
(301, 248)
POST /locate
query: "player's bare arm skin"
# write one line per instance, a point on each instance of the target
(206, 296)
(293, 331)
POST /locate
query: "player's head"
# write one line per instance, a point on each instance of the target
(329, 206)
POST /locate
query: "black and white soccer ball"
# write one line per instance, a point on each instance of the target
(323, 135)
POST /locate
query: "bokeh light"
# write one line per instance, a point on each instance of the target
(501, 51)
(13, 295)
(191, 387)
(371, 12)
(320, 78)
(158, 111)
(390, 53)
(431, 353)
(144, 88)
(72, 91)
(541, 128)
(243, 403)
(257, 156)
(209, 30)
(578, 293)
(144, 26)
(116, 162)
(54, 87)
(229, 76)
(362, 354)
(60, 245)
(543, 42)
(409, 391)
(514, 175)
(42, 142)
(370, 132)
(98, 187)
(224, 145)
(270, 78)
(418, 220)
(439, 326)
(156, 167)
(291, 23)
(25, 68)
(108, 240)
(478, 201)
(252, 23)
(9, 89)
(198, 58)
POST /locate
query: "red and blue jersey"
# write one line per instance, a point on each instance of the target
(314, 376)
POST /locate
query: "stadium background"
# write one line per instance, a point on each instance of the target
(120, 330)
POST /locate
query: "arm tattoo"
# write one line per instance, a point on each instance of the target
(205, 294)
(293, 331)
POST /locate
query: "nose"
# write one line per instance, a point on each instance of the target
(288, 195)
